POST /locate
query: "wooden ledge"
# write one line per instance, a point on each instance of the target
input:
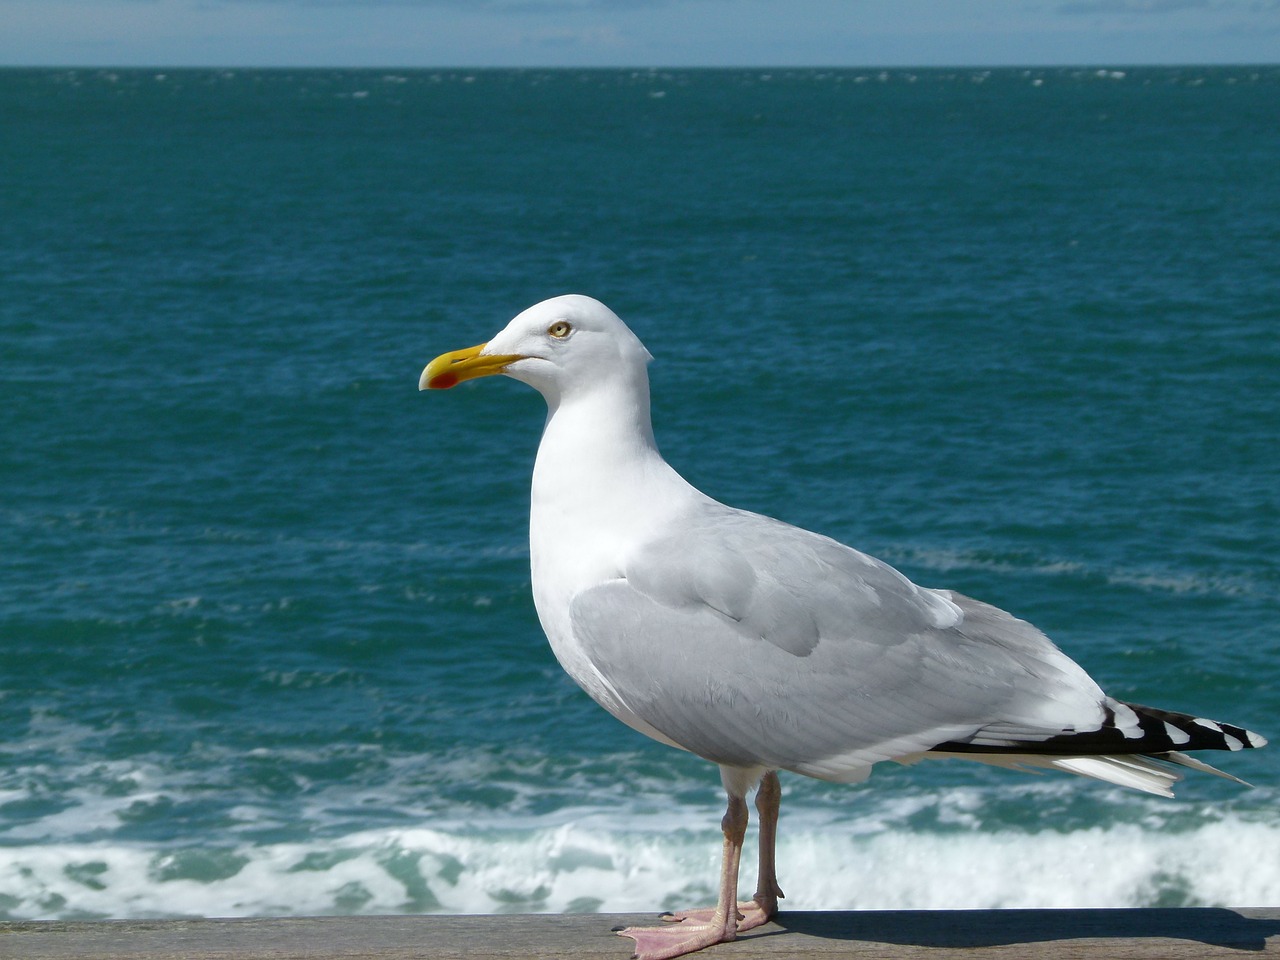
(1194, 933)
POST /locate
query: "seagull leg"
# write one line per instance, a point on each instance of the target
(763, 907)
(687, 932)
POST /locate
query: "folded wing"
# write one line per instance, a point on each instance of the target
(751, 642)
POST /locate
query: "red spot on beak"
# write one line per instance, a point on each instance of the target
(442, 381)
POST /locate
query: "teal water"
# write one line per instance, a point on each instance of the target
(266, 640)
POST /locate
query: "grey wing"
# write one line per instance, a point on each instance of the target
(751, 642)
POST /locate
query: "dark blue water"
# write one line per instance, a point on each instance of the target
(266, 640)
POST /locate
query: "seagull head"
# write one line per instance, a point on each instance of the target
(559, 347)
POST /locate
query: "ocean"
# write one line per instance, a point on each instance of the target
(267, 645)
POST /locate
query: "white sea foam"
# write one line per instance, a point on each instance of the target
(591, 865)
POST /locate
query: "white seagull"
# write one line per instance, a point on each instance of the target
(763, 647)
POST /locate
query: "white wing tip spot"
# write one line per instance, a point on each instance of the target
(1176, 735)
(1127, 722)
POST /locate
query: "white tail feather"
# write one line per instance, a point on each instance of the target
(1150, 774)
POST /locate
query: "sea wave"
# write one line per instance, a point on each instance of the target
(601, 862)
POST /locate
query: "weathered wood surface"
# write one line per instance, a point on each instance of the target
(1167, 934)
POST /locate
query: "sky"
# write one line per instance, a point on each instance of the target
(644, 33)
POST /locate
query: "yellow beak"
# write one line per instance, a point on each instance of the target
(450, 369)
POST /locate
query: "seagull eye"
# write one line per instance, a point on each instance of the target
(560, 329)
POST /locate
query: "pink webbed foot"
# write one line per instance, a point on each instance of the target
(689, 930)
(681, 933)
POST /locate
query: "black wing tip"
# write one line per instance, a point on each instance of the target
(1127, 728)
(1201, 733)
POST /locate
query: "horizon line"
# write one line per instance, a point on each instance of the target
(1064, 65)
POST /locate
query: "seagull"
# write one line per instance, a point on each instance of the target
(760, 646)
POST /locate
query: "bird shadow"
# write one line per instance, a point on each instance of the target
(990, 928)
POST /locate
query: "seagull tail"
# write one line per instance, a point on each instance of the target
(1136, 746)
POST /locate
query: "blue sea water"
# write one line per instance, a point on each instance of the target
(266, 639)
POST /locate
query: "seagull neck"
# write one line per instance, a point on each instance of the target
(601, 437)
